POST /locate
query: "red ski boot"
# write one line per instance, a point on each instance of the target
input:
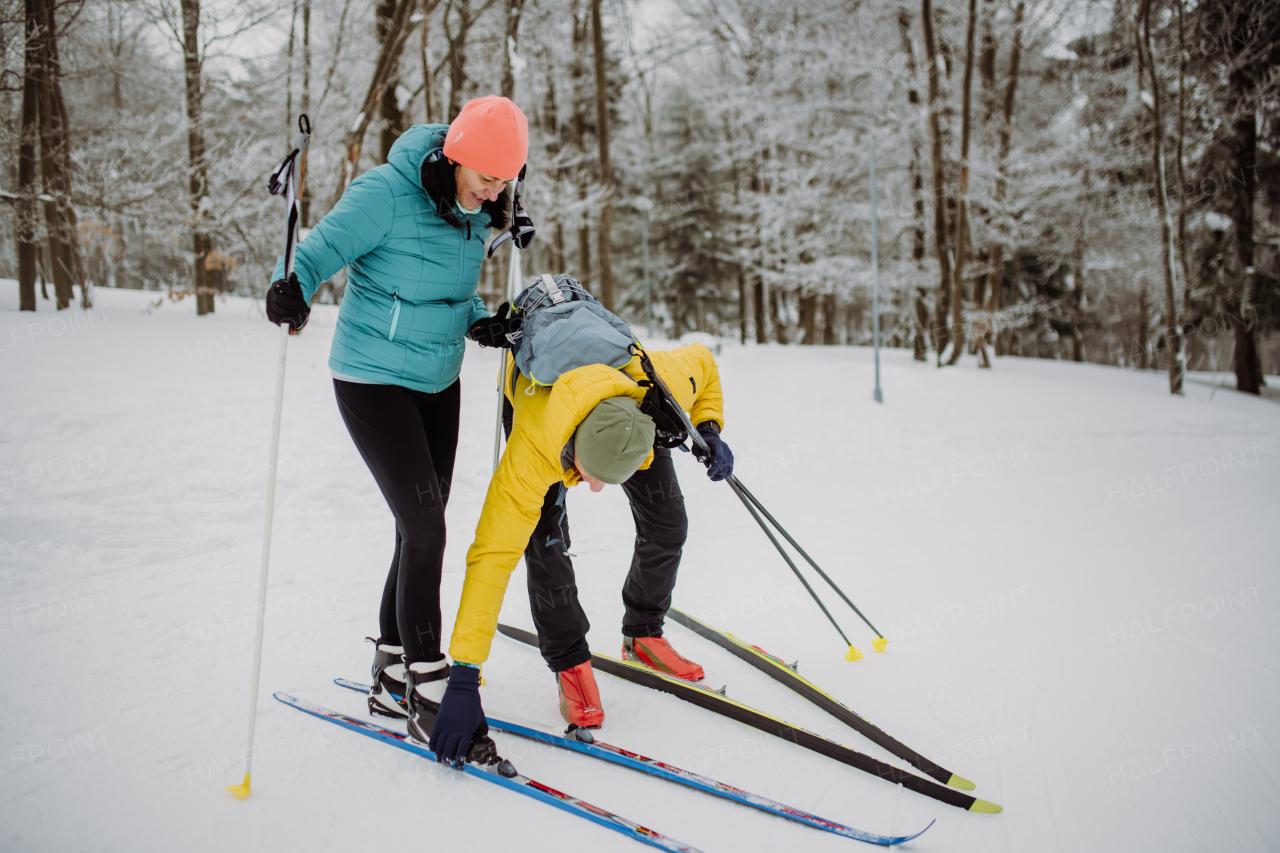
(657, 654)
(579, 697)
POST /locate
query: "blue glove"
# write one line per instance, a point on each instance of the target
(720, 462)
(459, 717)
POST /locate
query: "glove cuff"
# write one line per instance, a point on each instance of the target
(462, 675)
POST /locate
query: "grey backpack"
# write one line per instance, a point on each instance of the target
(565, 328)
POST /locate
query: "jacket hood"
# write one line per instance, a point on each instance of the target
(412, 148)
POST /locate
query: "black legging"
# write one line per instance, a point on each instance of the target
(408, 439)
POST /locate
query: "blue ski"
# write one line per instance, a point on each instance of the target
(625, 758)
(519, 784)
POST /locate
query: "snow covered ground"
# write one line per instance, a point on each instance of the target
(1077, 574)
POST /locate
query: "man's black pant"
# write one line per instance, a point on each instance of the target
(408, 439)
(661, 526)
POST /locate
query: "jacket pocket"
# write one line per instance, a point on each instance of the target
(395, 316)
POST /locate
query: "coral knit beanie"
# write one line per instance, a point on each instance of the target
(490, 135)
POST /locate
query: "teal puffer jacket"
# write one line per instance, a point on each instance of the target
(411, 276)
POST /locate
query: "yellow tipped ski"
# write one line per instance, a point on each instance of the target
(983, 807)
(853, 654)
(879, 643)
(787, 674)
(242, 790)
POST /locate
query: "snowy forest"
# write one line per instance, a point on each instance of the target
(1061, 179)
(980, 298)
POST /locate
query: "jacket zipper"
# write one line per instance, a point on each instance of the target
(395, 315)
(462, 255)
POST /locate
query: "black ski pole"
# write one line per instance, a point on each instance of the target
(853, 653)
(880, 642)
(698, 441)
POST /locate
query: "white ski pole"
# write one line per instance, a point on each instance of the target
(285, 180)
(513, 277)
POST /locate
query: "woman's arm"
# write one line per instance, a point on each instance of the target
(478, 311)
(356, 225)
(511, 510)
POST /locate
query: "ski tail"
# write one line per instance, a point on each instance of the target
(616, 755)
(786, 675)
(726, 707)
(519, 784)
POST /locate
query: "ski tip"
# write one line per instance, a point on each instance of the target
(984, 807)
(242, 790)
(853, 654)
(960, 782)
(879, 643)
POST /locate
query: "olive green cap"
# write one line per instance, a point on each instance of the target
(613, 441)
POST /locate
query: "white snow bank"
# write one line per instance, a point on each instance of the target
(1076, 573)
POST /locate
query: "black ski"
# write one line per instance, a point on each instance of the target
(710, 700)
(785, 673)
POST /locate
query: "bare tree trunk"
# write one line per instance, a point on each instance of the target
(604, 236)
(987, 282)
(809, 318)
(577, 75)
(776, 310)
(515, 8)
(996, 250)
(428, 79)
(384, 71)
(28, 240)
(829, 310)
(304, 200)
(742, 307)
(1244, 149)
(920, 338)
(197, 162)
(457, 57)
(987, 63)
(1144, 327)
(393, 118)
(1181, 175)
(941, 332)
(1173, 336)
(962, 225)
(55, 161)
(758, 303)
(62, 152)
(288, 73)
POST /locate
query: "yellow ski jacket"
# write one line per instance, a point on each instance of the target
(544, 421)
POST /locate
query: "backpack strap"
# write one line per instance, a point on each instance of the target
(548, 286)
(658, 403)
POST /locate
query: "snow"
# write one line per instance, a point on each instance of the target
(1075, 571)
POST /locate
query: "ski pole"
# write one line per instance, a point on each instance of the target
(853, 653)
(880, 642)
(513, 276)
(285, 180)
(701, 444)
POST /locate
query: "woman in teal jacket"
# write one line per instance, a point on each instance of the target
(411, 234)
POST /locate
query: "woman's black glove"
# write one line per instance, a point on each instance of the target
(720, 462)
(493, 331)
(287, 305)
